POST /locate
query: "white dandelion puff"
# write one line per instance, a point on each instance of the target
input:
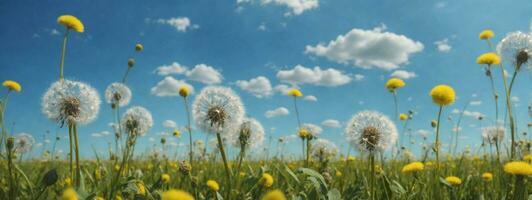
(71, 102)
(24, 142)
(516, 48)
(249, 133)
(217, 108)
(323, 149)
(371, 131)
(312, 129)
(137, 121)
(118, 93)
(493, 134)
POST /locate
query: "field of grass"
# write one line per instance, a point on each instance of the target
(382, 169)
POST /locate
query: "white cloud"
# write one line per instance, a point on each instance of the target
(276, 112)
(475, 103)
(468, 113)
(174, 68)
(181, 24)
(262, 27)
(169, 87)
(514, 99)
(301, 75)
(296, 6)
(169, 124)
(310, 98)
(331, 123)
(443, 45)
(368, 48)
(282, 88)
(54, 32)
(403, 74)
(358, 77)
(205, 74)
(101, 134)
(259, 87)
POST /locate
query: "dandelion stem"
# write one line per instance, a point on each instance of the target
(510, 114)
(189, 129)
(224, 158)
(78, 167)
(63, 50)
(71, 154)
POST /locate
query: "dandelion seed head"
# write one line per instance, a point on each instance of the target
(217, 108)
(493, 134)
(312, 130)
(516, 48)
(71, 102)
(250, 132)
(24, 142)
(118, 93)
(324, 149)
(371, 131)
(137, 120)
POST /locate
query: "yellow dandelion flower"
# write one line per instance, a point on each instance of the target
(295, 93)
(394, 83)
(118, 197)
(266, 180)
(98, 198)
(176, 133)
(71, 22)
(442, 95)
(12, 85)
(242, 174)
(403, 116)
(174, 194)
(68, 181)
(141, 189)
(69, 194)
(429, 164)
(413, 167)
(303, 133)
(528, 158)
(139, 47)
(486, 34)
(165, 178)
(518, 168)
(453, 180)
(489, 59)
(338, 173)
(213, 185)
(487, 176)
(184, 91)
(274, 195)
(351, 158)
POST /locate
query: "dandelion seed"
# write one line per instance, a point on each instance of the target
(371, 131)
(118, 93)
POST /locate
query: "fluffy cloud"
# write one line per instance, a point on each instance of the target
(169, 124)
(331, 123)
(358, 77)
(467, 113)
(301, 75)
(368, 48)
(259, 87)
(101, 134)
(174, 68)
(169, 87)
(402, 74)
(276, 112)
(181, 24)
(443, 45)
(475, 103)
(310, 98)
(296, 6)
(283, 89)
(204, 74)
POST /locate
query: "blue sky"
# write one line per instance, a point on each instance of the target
(230, 43)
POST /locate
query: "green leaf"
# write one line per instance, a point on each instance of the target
(334, 194)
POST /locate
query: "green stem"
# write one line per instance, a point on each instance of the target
(495, 96)
(226, 164)
(510, 114)
(78, 167)
(63, 50)
(437, 144)
(189, 129)
(71, 155)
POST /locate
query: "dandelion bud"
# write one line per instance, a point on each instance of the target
(10, 143)
(139, 47)
(163, 140)
(183, 91)
(130, 62)
(433, 123)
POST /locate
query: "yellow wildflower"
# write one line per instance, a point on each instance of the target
(213, 185)
(139, 47)
(266, 180)
(69, 194)
(338, 173)
(295, 93)
(489, 59)
(71, 22)
(486, 34)
(141, 189)
(274, 195)
(242, 174)
(351, 158)
(174, 194)
(442, 95)
(453, 180)
(394, 83)
(403, 116)
(98, 198)
(413, 167)
(303, 133)
(68, 181)
(165, 178)
(176, 133)
(528, 158)
(184, 91)
(487, 176)
(12, 85)
(518, 168)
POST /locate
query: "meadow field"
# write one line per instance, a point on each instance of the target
(380, 162)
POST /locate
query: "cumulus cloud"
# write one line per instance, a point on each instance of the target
(296, 7)
(205, 74)
(169, 124)
(475, 103)
(101, 134)
(181, 24)
(310, 98)
(403, 74)
(276, 112)
(358, 77)
(315, 76)
(282, 88)
(468, 113)
(169, 87)
(331, 123)
(259, 87)
(174, 68)
(443, 45)
(368, 49)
